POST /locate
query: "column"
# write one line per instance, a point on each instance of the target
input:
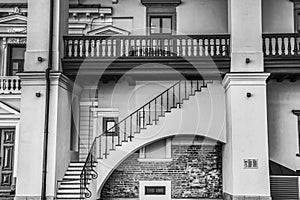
(62, 94)
(245, 156)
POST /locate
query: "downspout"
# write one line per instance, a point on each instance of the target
(47, 103)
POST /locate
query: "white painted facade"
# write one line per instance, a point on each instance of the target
(261, 126)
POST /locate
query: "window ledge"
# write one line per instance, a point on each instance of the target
(155, 159)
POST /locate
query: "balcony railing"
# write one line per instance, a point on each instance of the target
(216, 46)
(281, 45)
(10, 85)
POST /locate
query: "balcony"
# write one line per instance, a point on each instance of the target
(10, 85)
(121, 52)
(282, 55)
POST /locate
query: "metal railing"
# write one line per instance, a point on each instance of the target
(147, 46)
(125, 130)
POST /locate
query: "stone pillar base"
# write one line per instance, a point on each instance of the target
(241, 197)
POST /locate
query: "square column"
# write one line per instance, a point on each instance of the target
(245, 156)
(63, 94)
(38, 33)
(245, 28)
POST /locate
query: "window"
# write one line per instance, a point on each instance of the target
(155, 190)
(160, 25)
(16, 54)
(109, 124)
(161, 16)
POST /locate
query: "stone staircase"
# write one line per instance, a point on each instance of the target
(69, 187)
(159, 118)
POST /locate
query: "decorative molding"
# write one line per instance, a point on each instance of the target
(244, 79)
(8, 111)
(109, 30)
(15, 40)
(14, 19)
(296, 112)
(170, 2)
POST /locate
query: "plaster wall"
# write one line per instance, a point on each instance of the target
(202, 17)
(283, 124)
(278, 16)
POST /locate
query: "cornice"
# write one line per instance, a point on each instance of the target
(244, 79)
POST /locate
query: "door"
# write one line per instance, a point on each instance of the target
(6, 159)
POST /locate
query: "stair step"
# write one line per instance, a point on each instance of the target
(69, 191)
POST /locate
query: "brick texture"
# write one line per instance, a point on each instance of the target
(195, 172)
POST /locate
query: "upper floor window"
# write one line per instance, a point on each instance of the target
(161, 16)
(16, 57)
(160, 25)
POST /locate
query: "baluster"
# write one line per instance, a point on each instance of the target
(209, 47)
(169, 47)
(112, 42)
(106, 143)
(137, 122)
(192, 48)
(161, 104)
(271, 46)
(197, 47)
(227, 49)
(167, 100)
(72, 48)
(66, 48)
(83, 48)
(78, 48)
(185, 97)
(174, 97)
(186, 49)
(180, 43)
(289, 46)
(191, 86)
(215, 45)
(141, 47)
(105, 48)
(264, 46)
(276, 46)
(130, 126)
(123, 47)
(179, 93)
(100, 155)
(155, 121)
(144, 124)
(150, 113)
(282, 49)
(125, 134)
(295, 46)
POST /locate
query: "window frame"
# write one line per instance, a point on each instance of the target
(10, 60)
(110, 119)
(160, 17)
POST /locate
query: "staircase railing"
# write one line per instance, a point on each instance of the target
(125, 130)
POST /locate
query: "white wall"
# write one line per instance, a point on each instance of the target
(202, 16)
(282, 123)
(278, 16)
(128, 98)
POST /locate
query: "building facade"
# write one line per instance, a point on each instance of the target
(147, 99)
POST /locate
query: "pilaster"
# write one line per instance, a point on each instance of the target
(245, 157)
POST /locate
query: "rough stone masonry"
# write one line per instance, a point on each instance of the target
(195, 172)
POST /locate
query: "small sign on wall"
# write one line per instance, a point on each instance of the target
(250, 163)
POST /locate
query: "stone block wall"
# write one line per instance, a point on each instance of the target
(195, 172)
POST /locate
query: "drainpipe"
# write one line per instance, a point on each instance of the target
(47, 105)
